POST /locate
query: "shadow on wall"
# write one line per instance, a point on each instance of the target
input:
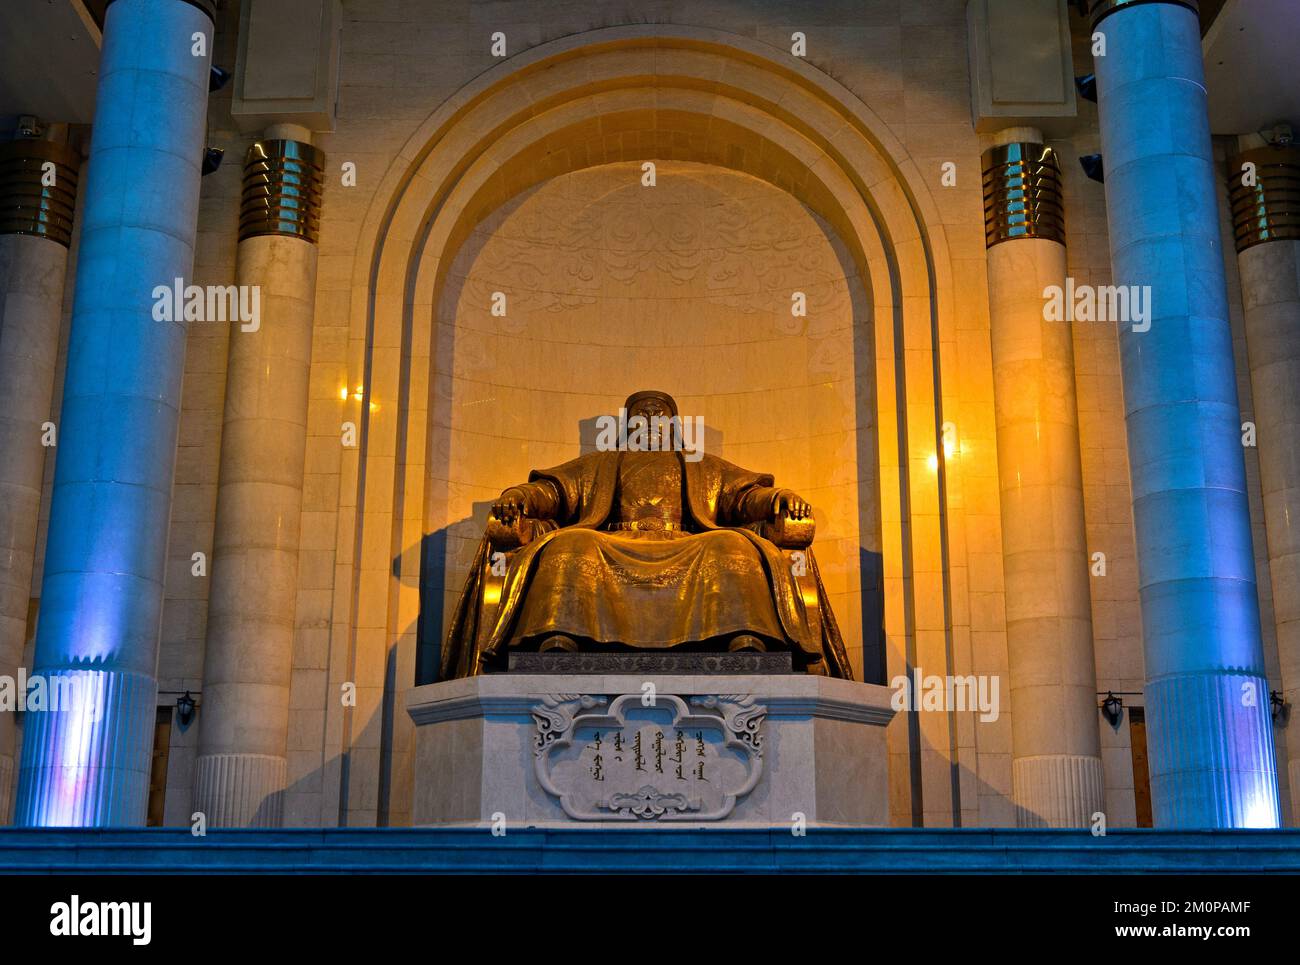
(967, 791)
(871, 580)
(434, 590)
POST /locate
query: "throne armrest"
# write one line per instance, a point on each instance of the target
(787, 533)
(793, 537)
(504, 537)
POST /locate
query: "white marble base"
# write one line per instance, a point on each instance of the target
(487, 747)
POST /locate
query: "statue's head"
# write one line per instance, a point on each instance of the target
(657, 408)
(650, 403)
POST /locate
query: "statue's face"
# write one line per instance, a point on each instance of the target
(651, 408)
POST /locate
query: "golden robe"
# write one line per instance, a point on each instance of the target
(696, 574)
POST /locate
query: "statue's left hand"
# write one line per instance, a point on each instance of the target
(511, 506)
(791, 504)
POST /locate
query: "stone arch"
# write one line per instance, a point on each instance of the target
(642, 92)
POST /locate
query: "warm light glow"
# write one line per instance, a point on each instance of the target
(933, 462)
(343, 393)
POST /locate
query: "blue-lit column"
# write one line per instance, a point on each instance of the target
(88, 762)
(1209, 730)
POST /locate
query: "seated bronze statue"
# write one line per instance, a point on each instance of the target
(647, 549)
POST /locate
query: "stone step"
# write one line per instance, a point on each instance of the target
(416, 850)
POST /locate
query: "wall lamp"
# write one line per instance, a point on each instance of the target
(212, 160)
(1280, 708)
(186, 706)
(1093, 167)
(1112, 708)
(218, 77)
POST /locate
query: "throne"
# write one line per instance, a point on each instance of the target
(792, 537)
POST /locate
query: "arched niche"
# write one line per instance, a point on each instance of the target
(624, 95)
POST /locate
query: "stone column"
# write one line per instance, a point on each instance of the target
(35, 231)
(1209, 733)
(1266, 220)
(105, 559)
(1056, 753)
(240, 773)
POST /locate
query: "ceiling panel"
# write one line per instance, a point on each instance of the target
(48, 60)
(1251, 65)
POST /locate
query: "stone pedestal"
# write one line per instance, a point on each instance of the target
(635, 750)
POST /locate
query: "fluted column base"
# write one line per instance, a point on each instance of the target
(1218, 775)
(1057, 790)
(240, 790)
(86, 763)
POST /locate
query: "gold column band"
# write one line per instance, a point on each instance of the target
(1022, 194)
(283, 181)
(1269, 208)
(209, 7)
(38, 189)
(1101, 9)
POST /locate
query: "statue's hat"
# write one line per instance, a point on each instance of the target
(636, 397)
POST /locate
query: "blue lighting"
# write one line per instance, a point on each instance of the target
(1210, 734)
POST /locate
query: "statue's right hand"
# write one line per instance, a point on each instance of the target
(510, 506)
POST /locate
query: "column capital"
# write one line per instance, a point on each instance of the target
(32, 203)
(1022, 193)
(1269, 208)
(283, 183)
(209, 7)
(1101, 9)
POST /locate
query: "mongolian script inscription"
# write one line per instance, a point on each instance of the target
(664, 761)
